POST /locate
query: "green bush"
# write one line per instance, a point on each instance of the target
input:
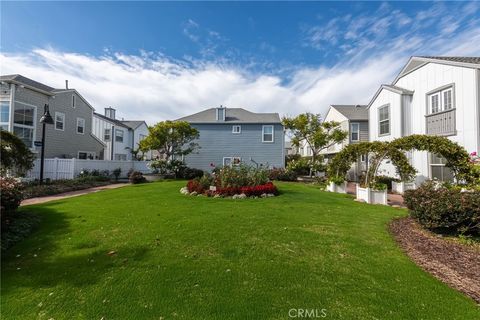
(282, 175)
(136, 177)
(11, 196)
(190, 173)
(445, 208)
(386, 180)
(300, 166)
(241, 176)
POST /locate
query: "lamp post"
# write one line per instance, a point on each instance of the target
(44, 120)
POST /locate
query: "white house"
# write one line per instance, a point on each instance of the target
(434, 96)
(354, 120)
(121, 137)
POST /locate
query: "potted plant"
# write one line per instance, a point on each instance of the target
(374, 193)
(337, 184)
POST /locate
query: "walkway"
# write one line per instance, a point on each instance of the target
(71, 194)
(393, 199)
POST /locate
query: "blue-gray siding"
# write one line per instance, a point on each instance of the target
(217, 141)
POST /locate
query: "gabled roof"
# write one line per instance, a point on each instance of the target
(57, 91)
(416, 62)
(133, 124)
(392, 88)
(232, 115)
(351, 111)
(113, 121)
(27, 82)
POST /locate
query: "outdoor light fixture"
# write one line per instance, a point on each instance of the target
(44, 120)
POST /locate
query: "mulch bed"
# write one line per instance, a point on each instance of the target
(455, 264)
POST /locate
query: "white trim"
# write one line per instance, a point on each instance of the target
(239, 129)
(263, 133)
(63, 121)
(388, 119)
(84, 125)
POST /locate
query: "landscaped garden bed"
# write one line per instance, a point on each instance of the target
(238, 182)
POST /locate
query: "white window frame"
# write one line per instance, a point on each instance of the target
(384, 120)
(440, 93)
(6, 123)
(105, 134)
(84, 125)
(120, 154)
(441, 165)
(239, 127)
(33, 126)
(363, 158)
(232, 161)
(354, 131)
(123, 135)
(263, 133)
(62, 115)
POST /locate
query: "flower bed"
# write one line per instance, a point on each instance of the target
(236, 182)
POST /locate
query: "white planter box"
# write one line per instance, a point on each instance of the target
(339, 188)
(401, 187)
(372, 196)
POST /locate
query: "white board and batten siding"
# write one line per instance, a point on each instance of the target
(59, 169)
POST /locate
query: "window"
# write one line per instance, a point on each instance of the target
(441, 100)
(80, 125)
(118, 135)
(4, 114)
(73, 101)
(363, 158)
(354, 131)
(236, 129)
(438, 169)
(107, 134)
(59, 121)
(24, 124)
(231, 161)
(120, 157)
(267, 134)
(86, 155)
(384, 120)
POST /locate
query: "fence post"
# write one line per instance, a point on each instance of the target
(56, 168)
(72, 168)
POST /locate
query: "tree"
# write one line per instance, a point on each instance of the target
(15, 155)
(171, 138)
(317, 135)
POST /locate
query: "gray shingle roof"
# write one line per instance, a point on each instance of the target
(114, 121)
(475, 60)
(26, 81)
(352, 112)
(232, 115)
(134, 124)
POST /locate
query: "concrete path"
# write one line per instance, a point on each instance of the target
(71, 194)
(392, 199)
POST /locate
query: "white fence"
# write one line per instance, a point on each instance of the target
(56, 168)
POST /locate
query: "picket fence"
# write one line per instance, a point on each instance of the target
(56, 169)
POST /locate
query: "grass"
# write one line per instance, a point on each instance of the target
(180, 257)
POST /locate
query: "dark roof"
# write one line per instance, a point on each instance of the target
(475, 60)
(114, 121)
(352, 112)
(134, 124)
(26, 81)
(232, 115)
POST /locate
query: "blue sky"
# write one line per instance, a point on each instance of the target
(161, 60)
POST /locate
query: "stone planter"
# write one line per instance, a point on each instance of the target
(339, 188)
(372, 196)
(401, 187)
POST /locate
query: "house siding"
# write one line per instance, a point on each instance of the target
(217, 141)
(61, 144)
(119, 148)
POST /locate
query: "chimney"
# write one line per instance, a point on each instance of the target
(110, 113)
(221, 113)
(66, 84)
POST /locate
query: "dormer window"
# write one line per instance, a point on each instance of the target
(221, 114)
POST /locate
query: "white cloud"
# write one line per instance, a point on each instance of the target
(154, 87)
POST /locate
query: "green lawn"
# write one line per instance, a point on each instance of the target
(181, 257)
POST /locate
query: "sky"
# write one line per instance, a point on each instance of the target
(163, 60)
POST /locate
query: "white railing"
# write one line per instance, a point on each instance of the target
(442, 123)
(56, 169)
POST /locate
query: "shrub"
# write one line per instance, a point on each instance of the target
(116, 173)
(386, 180)
(445, 209)
(10, 196)
(195, 186)
(136, 177)
(190, 173)
(300, 166)
(282, 175)
(268, 188)
(241, 176)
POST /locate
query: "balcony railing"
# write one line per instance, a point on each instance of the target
(441, 123)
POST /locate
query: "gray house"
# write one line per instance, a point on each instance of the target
(22, 103)
(229, 136)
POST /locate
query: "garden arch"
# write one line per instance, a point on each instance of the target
(458, 159)
(378, 151)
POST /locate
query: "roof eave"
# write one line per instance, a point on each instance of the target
(29, 87)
